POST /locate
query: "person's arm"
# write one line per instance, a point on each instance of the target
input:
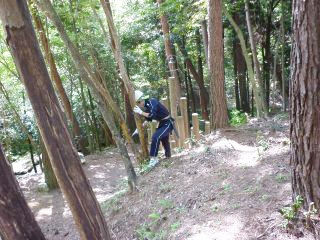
(139, 111)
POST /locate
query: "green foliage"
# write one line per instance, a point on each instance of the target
(237, 117)
(289, 213)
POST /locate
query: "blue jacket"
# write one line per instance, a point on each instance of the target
(156, 109)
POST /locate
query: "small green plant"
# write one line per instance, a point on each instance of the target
(166, 204)
(175, 226)
(290, 213)
(178, 149)
(280, 178)
(146, 230)
(237, 118)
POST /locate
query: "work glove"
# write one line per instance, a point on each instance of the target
(137, 110)
(144, 124)
(135, 132)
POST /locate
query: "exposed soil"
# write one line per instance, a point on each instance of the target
(230, 185)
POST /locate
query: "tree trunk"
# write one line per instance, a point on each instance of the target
(256, 64)
(16, 219)
(192, 97)
(267, 59)
(305, 101)
(204, 97)
(240, 70)
(170, 56)
(283, 42)
(116, 47)
(94, 124)
(256, 87)
(205, 38)
(65, 160)
(219, 113)
(98, 90)
(49, 177)
(55, 77)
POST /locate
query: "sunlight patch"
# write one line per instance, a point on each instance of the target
(228, 229)
(44, 213)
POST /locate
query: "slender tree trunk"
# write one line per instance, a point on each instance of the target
(305, 101)
(219, 114)
(21, 38)
(236, 78)
(170, 56)
(256, 87)
(267, 60)
(99, 91)
(192, 97)
(204, 30)
(55, 77)
(16, 219)
(49, 176)
(128, 109)
(204, 98)
(94, 125)
(19, 120)
(283, 42)
(116, 47)
(256, 64)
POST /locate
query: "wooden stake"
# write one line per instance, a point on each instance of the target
(181, 129)
(173, 97)
(195, 123)
(207, 127)
(184, 113)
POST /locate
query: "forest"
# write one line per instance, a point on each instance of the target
(159, 119)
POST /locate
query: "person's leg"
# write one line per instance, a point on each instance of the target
(160, 133)
(166, 146)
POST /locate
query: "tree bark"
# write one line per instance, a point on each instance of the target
(116, 47)
(16, 219)
(205, 38)
(219, 114)
(204, 97)
(49, 176)
(240, 71)
(21, 38)
(305, 101)
(256, 64)
(283, 42)
(256, 87)
(55, 77)
(100, 93)
(170, 56)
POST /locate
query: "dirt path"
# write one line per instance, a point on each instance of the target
(230, 186)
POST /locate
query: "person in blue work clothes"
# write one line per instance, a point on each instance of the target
(154, 110)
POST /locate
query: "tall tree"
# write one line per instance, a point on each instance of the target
(55, 77)
(170, 56)
(65, 161)
(102, 95)
(16, 219)
(116, 48)
(305, 101)
(256, 64)
(256, 87)
(219, 113)
(240, 69)
(204, 97)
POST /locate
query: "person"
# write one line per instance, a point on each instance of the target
(154, 110)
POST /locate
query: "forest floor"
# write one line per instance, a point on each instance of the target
(229, 185)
